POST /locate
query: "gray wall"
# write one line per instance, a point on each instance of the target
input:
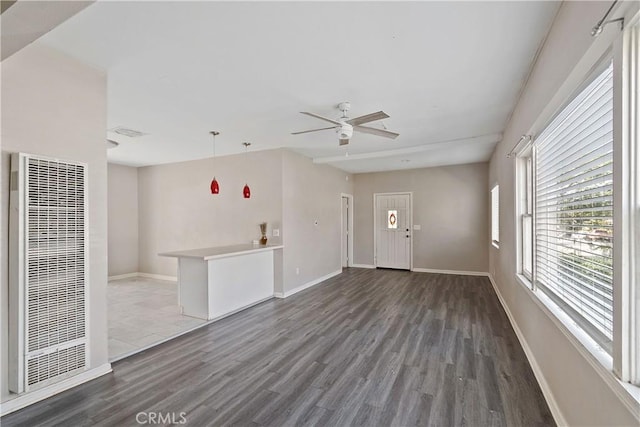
(122, 219)
(177, 210)
(289, 192)
(449, 203)
(311, 193)
(55, 106)
(579, 392)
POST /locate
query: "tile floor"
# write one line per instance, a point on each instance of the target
(143, 312)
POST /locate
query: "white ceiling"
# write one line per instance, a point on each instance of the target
(448, 74)
(26, 21)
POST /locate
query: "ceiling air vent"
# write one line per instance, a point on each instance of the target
(131, 133)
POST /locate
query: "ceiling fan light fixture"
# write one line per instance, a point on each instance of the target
(345, 131)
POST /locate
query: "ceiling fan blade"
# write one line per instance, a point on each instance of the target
(344, 142)
(374, 131)
(320, 117)
(368, 118)
(312, 130)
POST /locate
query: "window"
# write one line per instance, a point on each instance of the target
(578, 211)
(495, 215)
(392, 219)
(574, 209)
(525, 211)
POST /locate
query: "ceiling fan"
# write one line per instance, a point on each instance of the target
(345, 126)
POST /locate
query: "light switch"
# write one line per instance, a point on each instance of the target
(276, 232)
(416, 226)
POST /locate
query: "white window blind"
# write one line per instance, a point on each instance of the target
(574, 208)
(495, 214)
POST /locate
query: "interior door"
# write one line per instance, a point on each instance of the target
(345, 231)
(393, 235)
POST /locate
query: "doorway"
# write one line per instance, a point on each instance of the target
(392, 218)
(346, 230)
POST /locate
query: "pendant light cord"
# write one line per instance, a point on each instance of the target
(246, 148)
(214, 133)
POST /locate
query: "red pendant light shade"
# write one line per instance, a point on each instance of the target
(215, 188)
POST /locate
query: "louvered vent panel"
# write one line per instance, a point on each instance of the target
(48, 259)
(42, 368)
(56, 234)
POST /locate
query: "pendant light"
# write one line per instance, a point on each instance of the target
(215, 187)
(246, 191)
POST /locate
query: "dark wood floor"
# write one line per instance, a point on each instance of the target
(368, 347)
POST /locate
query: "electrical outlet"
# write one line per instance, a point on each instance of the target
(276, 232)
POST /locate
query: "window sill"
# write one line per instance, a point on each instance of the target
(598, 358)
(524, 281)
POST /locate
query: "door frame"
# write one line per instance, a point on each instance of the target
(375, 222)
(350, 229)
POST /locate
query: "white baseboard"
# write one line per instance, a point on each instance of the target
(459, 272)
(158, 277)
(30, 398)
(123, 276)
(144, 275)
(306, 285)
(544, 386)
(363, 266)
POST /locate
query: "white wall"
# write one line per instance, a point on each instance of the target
(311, 193)
(449, 203)
(55, 106)
(576, 389)
(122, 219)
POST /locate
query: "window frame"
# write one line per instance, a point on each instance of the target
(495, 216)
(525, 192)
(626, 355)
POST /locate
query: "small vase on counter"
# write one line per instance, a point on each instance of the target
(263, 233)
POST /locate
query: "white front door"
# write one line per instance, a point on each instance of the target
(393, 235)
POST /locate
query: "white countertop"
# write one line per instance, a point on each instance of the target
(221, 251)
